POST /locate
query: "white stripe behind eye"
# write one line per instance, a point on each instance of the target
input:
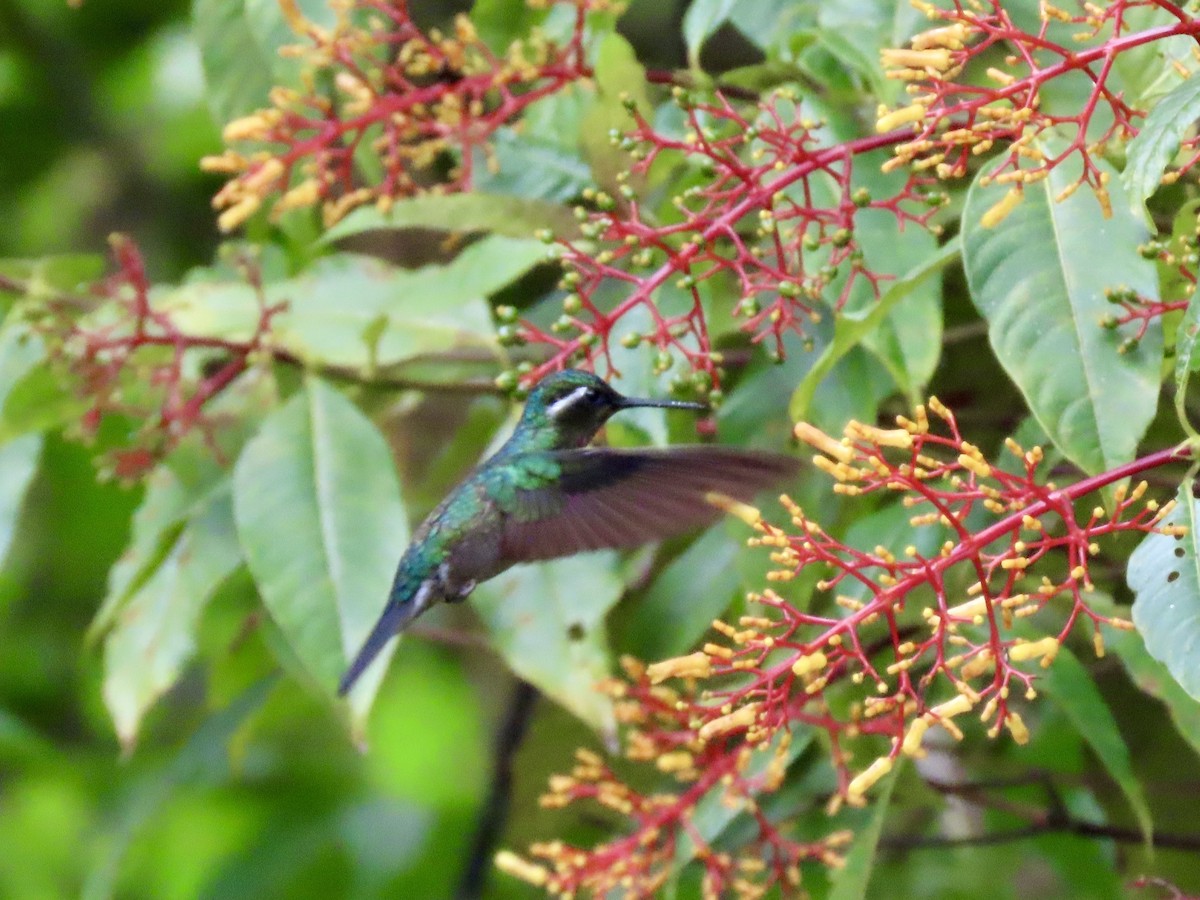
(562, 404)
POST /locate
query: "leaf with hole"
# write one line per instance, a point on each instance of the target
(1164, 573)
(547, 621)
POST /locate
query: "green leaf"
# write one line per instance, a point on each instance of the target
(782, 29)
(20, 351)
(239, 49)
(38, 402)
(691, 591)
(152, 636)
(32, 397)
(700, 22)
(334, 309)
(542, 161)
(908, 341)
(48, 276)
(321, 522)
(1158, 139)
(1039, 278)
(854, 31)
(496, 213)
(851, 881)
(18, 465)
(1155, 679)
(1164, 573)
(547, 620)
(1074, 690)
(620, 78)
(851, 330)
(237, 68)
(500, 22)
(1187, 360)
(167, 504)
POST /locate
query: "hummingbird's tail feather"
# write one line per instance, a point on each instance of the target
(401, 609)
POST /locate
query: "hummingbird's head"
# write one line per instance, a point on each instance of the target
(574, 404)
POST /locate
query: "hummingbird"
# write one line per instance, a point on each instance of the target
(546, 494)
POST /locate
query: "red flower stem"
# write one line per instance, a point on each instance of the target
(970, 548)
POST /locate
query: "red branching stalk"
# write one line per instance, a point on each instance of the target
(954, 120)
(1177, 258)
(774, 209)
(412, 100)
(760, 220)
(894, 644)
(114, 357)
(1136, 308)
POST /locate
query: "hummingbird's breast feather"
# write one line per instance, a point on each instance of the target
(460, 543)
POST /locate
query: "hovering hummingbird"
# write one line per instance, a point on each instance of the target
(545, 494)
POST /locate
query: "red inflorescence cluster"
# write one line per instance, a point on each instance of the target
(771, 222)
(768, 223)
(760, 213)
(420, 103)
(977, 83)
(997, 575)
(135, 361)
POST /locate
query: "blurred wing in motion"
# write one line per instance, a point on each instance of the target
(624, 498)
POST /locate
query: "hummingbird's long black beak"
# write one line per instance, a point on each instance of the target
(636, 402)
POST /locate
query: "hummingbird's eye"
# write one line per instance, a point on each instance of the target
(568, 401)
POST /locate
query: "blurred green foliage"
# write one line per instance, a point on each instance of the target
(239, 777)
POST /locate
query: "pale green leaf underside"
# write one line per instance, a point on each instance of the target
(18, 465)
(348, 310)
(1186, 359)
(1164, 573)
(152, 636)
(1039, 278)
(701, 21)
(547, 620)
(321, 522)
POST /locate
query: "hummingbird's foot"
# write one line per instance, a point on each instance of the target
(461, 593)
